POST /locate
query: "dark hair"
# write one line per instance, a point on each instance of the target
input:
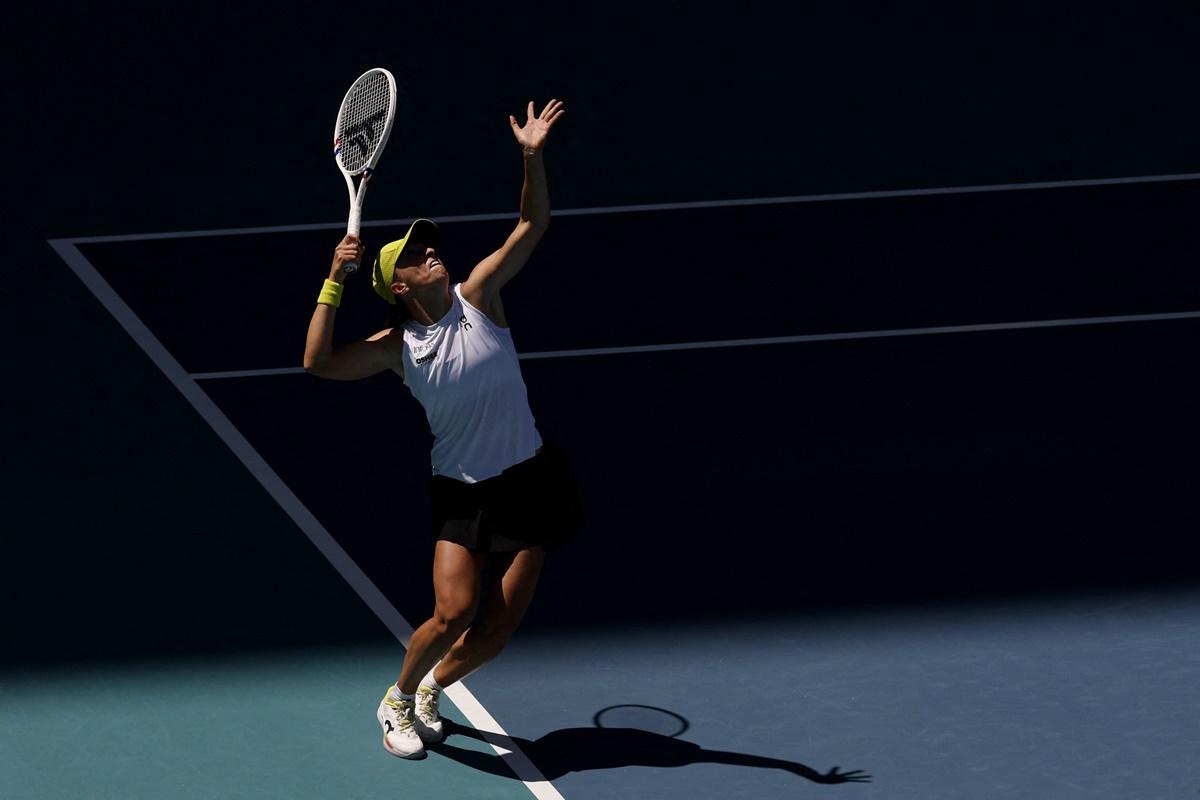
(397, 315)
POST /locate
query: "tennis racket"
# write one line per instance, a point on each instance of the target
(364, 123)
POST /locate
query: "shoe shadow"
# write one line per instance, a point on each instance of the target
(579, 749)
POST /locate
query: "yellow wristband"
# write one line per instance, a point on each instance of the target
(331, 294)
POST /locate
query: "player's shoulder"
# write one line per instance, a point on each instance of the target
(392, 342)
(388, 336)
(483, 302)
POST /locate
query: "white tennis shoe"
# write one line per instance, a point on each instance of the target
(429, 723)
(399, 723)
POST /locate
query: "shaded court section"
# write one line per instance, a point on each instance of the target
(903, 470)
(968, 464)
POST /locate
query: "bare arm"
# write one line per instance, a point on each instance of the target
(381, 351)
(491, 274)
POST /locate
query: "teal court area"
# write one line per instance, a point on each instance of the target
(296, 724)
(1083, 699)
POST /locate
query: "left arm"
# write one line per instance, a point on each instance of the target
(482, 288)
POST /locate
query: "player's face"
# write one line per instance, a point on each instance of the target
(419, 265)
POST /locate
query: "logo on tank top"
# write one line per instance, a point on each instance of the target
(424, 353)
(462, 322)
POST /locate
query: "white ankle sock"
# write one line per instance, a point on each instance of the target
(431, 681)
(396, 694)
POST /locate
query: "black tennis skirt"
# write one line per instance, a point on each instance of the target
(531, 504)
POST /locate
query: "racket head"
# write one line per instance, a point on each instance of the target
(650, 719)
(364, 121)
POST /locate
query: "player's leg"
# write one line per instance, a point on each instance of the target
(508, 589)
(529, 504)
(506, 598)
(456, 579)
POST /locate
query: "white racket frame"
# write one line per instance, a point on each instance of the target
(354, 223)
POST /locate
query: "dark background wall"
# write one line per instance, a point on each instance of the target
(129, 530)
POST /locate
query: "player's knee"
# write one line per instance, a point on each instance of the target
(493, 633)
(453, 617)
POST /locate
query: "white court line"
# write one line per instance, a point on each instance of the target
(316, 532)
(753, 201)
(814, 337)
(245, 373)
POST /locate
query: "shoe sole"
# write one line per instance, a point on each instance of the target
(419, 754)
(433, 739)
(410, 756)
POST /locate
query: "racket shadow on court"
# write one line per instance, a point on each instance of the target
(622, 736)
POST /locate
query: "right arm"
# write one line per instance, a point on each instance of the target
(384, 350)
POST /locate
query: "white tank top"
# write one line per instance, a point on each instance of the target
(463, 369)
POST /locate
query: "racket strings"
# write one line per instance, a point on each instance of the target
(363, 121)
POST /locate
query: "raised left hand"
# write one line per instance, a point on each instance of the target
(532, 135)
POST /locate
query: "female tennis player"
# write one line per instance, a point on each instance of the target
(501, 496)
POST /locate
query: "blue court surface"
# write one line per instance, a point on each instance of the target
(834, 531)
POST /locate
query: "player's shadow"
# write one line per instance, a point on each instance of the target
(579, 749)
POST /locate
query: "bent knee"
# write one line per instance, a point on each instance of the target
(453, 618)
(495, 631)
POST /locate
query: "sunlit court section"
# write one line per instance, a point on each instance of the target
(1076, 698)
(296, 723)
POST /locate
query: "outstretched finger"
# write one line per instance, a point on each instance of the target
(531, 114)
(554, 117)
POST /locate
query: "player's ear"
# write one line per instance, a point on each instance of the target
(400, 289)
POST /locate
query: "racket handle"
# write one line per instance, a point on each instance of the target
(352, 228)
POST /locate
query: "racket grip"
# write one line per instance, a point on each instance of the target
(353, 225)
